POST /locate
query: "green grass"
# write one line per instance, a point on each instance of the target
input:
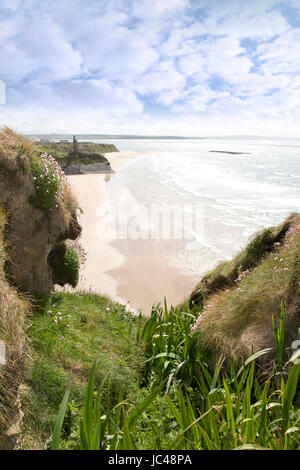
(225, 274)
(88, 152)
(222, 409)
(91, 328)
(238, 317)
(173, 353)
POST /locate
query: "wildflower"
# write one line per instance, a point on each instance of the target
(281, 259)
(276, 258)
(286, 269)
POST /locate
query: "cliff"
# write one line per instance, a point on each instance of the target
(13, 310)
(88, 157)
(237, 299)
(37, 217)
(40, 210)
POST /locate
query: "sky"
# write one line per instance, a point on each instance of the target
(159, 67)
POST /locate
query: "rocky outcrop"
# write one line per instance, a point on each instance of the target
(84, 169)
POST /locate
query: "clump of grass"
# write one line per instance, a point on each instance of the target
(238, 319)
(226, 273)
(66, 262)
(173, 353)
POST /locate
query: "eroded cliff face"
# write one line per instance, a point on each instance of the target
(35, 226)
(37, 216)
(13, 310)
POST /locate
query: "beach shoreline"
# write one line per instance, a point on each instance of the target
(123, 269)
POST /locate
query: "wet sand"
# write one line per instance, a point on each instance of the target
(135, 272)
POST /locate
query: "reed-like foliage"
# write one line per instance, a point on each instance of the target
(173, 352)
(219, 409)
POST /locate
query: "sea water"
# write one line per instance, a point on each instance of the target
(236, 194)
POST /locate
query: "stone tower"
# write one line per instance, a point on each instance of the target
(75, 146)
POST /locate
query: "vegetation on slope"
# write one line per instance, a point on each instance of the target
(13, 309)
(66, 336)
(241, 296)
(22, 163)
(201, 408)
(88, 152)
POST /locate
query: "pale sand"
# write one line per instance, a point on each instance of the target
(117, 159)
(146, 277)
(131, 271)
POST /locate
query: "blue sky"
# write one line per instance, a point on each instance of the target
(176, 67)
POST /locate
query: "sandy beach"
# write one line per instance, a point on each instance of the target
(133, 272)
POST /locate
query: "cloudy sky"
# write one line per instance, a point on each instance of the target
(176, 67)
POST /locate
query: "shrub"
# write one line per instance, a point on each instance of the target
(67, 271)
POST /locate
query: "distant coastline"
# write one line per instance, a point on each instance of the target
(231, 153)
(68, 136)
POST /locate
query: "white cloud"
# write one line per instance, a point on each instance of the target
(87, 95)
(281, 55)
(163, 77)
(101, 59)
(114, 50)
(37, 46)
(158, 8)
(239, 18)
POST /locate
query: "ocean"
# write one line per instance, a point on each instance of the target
(234, 195)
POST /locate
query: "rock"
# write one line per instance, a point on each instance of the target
(84, 169)
(2, 354)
